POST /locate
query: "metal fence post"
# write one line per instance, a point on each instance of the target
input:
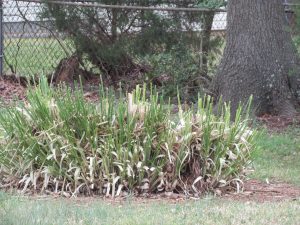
(1, 38)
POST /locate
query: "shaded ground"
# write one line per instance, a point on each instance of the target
(11, 90)
(278, 123)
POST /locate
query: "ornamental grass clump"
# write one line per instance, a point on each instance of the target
(59, 142)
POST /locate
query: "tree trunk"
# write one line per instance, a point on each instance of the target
(259, 59)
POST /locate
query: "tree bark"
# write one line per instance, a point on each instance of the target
(259, 59)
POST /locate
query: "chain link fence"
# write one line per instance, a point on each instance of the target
(36, 39)
(32, 45)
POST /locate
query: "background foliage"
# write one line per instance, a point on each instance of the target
(122, 43)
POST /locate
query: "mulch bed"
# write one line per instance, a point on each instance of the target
(11, 90)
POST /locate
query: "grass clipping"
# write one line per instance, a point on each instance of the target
(60, 143)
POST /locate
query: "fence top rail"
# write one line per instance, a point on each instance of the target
(92, 3)
(126, 7)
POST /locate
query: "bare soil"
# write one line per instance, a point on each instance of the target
(278, 123)
(254, 191)
(11, 90)
(259, 191)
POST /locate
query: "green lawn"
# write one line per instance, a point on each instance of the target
(34, 56)
(206, 211)
(278, 158)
